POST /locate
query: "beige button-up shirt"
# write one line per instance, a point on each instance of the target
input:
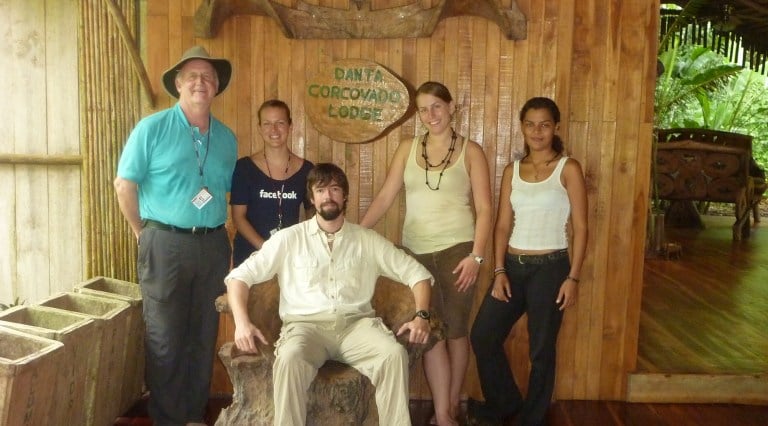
(315, 280)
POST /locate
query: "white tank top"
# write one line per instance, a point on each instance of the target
(436, 220)
(541, 211)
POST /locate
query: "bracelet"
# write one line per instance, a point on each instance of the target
(499, 271)
(576, 280)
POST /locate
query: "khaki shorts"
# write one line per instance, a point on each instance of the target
(450, 305)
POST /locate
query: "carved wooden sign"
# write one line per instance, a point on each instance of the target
(360, 19)
(355, 100)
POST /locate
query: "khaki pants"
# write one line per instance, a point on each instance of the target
(363, 343)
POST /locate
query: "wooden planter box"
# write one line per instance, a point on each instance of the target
(28, 366)
(113, 317)
(76, 332)
(134, 357)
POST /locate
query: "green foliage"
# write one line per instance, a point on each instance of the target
(700, 89)
(690, 74)
(16, 302)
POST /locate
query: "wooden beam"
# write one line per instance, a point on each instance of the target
(133, 50)
(44, 160)
(698, 388)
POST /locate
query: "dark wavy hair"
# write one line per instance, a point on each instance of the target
(275, 103)
(325, 173)
(554, 111)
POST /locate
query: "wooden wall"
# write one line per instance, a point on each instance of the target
(67, 110)
(595, 58)
(41, 250)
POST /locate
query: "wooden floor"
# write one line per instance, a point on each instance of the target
(607, 413)
(707, 313)
(703, 334)
(565, 413)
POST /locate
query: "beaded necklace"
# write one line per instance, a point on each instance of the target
(445, 162)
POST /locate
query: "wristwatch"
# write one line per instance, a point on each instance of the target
(423, 314)
(478, 259)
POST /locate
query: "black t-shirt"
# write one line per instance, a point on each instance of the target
(256, 190)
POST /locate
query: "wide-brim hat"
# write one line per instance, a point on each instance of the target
(222, 66)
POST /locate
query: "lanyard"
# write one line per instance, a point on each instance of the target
(195, 143)
(282, 188)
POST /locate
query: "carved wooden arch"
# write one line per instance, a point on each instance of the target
(306, 21)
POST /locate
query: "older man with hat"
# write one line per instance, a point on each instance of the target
(172, 180)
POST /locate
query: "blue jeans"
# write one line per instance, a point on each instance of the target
(534, 290)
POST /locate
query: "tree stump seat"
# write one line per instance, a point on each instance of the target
(339, 395)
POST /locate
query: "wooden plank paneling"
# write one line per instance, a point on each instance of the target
(248, 145)
(241, 86)
(597, 59)
(298, 67)
(32, 231)
(615, 327)
(473, 83)
(28, 136)
(573, 380)
(8, 252)
(583, 54)
(62, 126)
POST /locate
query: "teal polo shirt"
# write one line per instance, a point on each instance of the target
(164, 156)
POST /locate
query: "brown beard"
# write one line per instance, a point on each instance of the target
(329, 214)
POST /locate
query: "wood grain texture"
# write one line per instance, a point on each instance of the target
(568, 413)
(591, 57)
(595, 59)
(42, 250)
(705, 313)
(612, 413)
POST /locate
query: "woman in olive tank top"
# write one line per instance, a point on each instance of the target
(447, 225)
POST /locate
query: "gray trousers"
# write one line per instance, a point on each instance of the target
(365, 344)
(180, 275)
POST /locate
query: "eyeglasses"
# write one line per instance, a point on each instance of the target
(190, 77)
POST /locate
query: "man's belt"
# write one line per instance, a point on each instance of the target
(195, 230)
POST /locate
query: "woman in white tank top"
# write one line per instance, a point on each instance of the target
(533, 273)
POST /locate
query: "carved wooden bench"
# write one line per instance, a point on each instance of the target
(707, 165)
(339, 395)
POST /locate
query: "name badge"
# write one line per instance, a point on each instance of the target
(202, 198)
